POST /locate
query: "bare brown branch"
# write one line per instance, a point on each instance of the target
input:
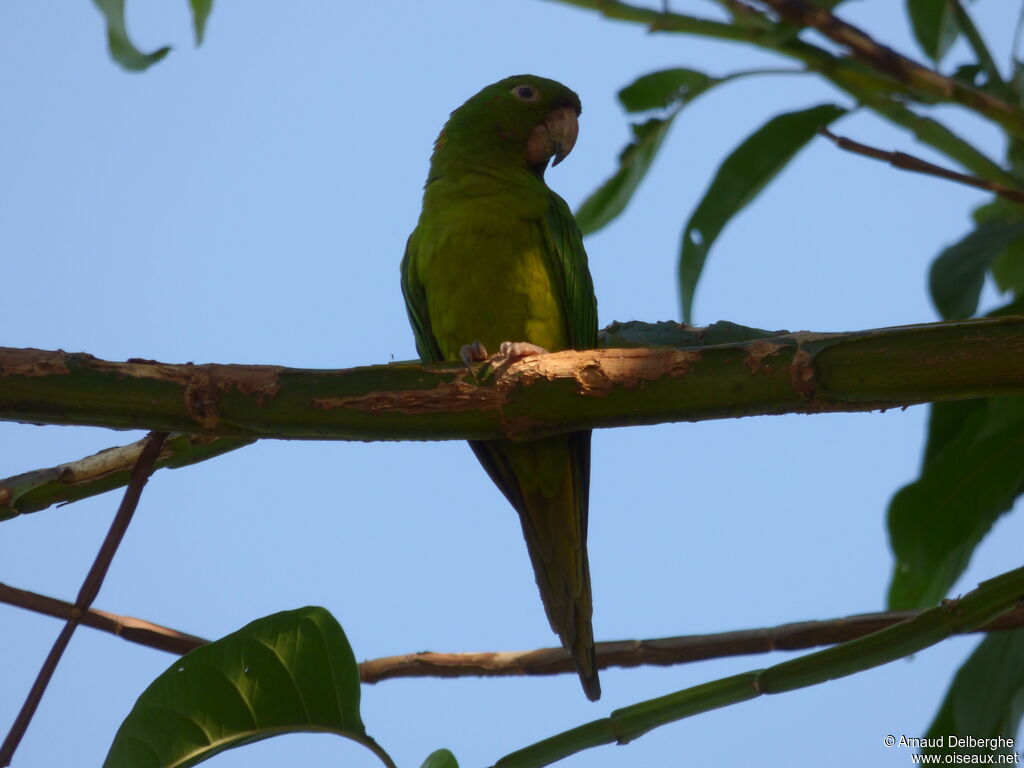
(135, 630)
(901, 68)
(90, 587)
(544, 661)
(658, 652)
(911, 163)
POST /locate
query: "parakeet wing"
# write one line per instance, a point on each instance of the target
(416, 306)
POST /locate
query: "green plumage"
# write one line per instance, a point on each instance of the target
(496, 256)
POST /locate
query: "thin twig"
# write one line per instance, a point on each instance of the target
(544, 661)
(135, 630)
(910, 163)
(90, 587)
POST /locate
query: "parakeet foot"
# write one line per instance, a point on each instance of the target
(472, 353)
(513, 350)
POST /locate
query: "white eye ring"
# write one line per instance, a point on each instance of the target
(526, 93)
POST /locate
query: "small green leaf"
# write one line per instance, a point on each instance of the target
(986, 699)
(935, 26)
(972, 475)
(200, 13)
(611, 198)
(121, 48)
(740, 177)
(442, 758)
(958, 273)
(658, 90)
(288, 672)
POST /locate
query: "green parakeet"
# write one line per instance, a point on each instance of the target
(497, 257)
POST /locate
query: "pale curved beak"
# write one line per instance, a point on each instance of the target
(563, 128)
(554, 137)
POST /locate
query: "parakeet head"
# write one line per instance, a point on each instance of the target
(524, 120)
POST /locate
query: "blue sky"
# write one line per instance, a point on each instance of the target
(249, 201)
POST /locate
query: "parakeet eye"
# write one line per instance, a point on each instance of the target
(526, 93)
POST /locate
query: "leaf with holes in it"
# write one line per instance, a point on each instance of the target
(664, 88)
(935, 25)
(670, 89)
(958, 273)
(986, 698)
(121, 47)
(740, 177)
(288, 672)
(610, 199)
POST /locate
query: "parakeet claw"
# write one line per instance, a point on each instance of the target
(513, 350)
(472, 353)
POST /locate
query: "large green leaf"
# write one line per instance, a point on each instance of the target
(611, 198)
(958, 273)
(973, 473)
(743, 174)
(986, 699)
(121, 47)
(946, 421)
(935, 25)
(288, 672)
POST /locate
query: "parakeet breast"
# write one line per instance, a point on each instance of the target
(482, 263)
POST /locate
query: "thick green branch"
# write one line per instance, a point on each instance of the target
(536, 396)
(101, 472)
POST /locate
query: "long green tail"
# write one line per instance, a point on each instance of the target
(548, 483)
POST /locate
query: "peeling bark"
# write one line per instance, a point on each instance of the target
(532, 397)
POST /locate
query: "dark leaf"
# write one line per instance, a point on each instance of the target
(935, 25)
(958, 273)
(740, 177)
(945, 422)
(1008, 268)
(986, 699)
(288, 672)
(973, 474)
(662, 89)
(611, 198)
(968, 73)
(121, 48)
